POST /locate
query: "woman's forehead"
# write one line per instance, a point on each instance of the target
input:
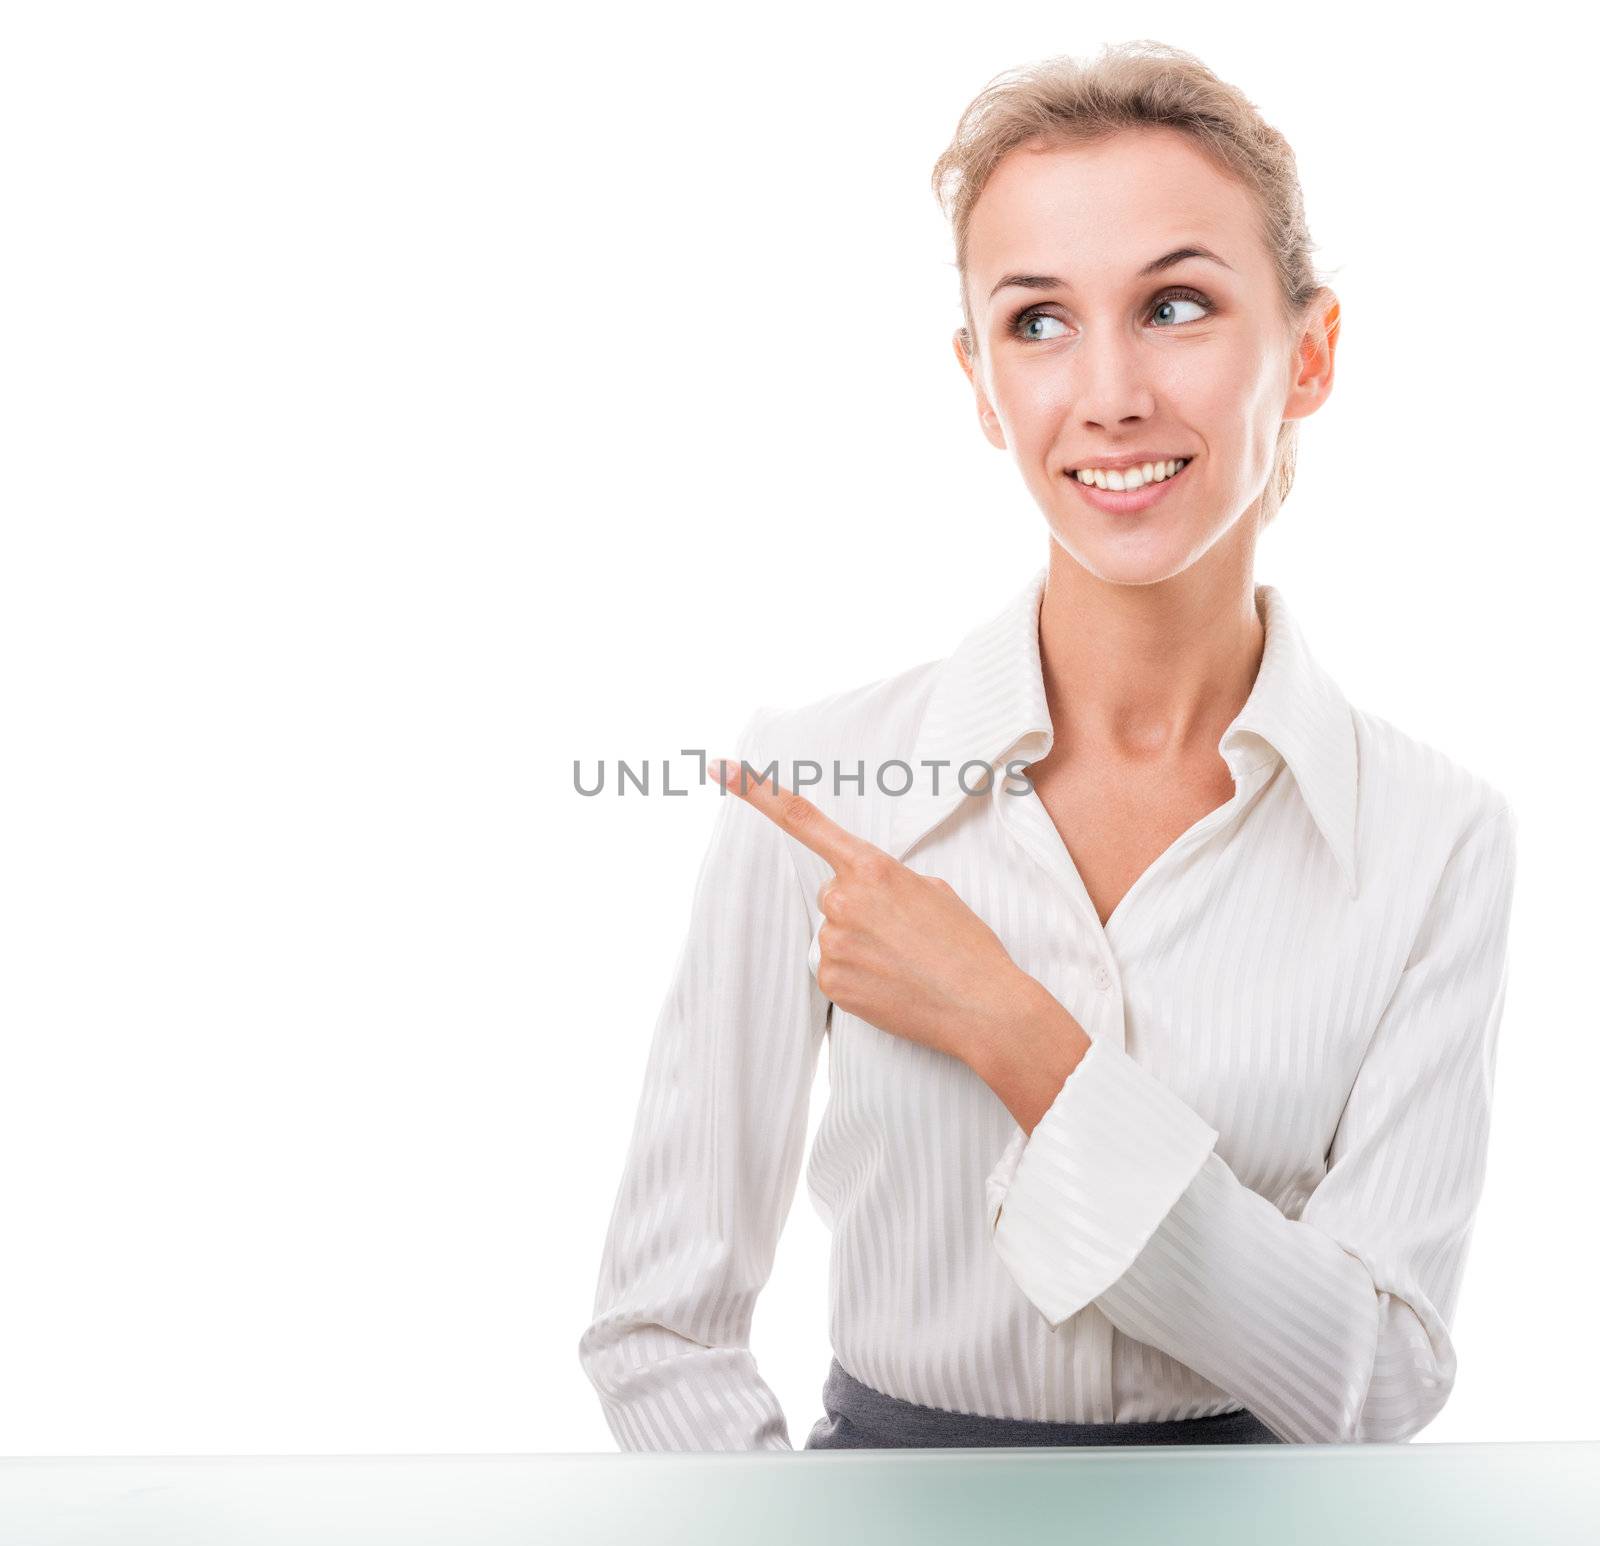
(1103, 210)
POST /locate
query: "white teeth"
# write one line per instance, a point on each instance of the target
(1133, 477)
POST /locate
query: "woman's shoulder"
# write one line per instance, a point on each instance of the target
(881, 721)
(837, 750)
(1405, 781)
(876, 719)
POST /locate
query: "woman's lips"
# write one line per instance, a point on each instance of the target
(1121, 501)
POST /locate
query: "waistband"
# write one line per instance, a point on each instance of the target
(859, 1417)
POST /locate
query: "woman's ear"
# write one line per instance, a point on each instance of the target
(1313, 358)
(988, 420)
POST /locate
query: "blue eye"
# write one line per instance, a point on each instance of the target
(1181, 297)
(1024, 320)
(1027, 319)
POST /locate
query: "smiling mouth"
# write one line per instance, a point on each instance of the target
(1130, 479)
(1125, 501)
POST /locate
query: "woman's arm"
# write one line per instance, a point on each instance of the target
(715, 1154)
(1331, 1327)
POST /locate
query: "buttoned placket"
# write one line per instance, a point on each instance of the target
(1026, 819)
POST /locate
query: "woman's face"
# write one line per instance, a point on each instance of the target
(1092, 359)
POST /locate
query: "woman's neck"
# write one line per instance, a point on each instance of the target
(1147, 674)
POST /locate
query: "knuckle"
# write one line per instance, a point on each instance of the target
(795, 809)
(877, 867)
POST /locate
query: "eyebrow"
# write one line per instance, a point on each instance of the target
(1155, 266)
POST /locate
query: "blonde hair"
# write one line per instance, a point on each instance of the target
(1141, 84)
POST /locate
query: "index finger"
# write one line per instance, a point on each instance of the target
(791, 811)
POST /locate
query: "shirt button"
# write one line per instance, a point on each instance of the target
(1102, 978)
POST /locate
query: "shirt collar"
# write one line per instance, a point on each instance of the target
(988, 703)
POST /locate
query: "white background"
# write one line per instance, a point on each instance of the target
(403, 401)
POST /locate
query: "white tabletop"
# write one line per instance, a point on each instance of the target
(1547, 1493)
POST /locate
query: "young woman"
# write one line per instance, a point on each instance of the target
(1159, 1074)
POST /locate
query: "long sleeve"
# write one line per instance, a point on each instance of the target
(1333, 1326)
(714, 1157)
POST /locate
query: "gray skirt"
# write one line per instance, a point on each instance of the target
(859, 1417)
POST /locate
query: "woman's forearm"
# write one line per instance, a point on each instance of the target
(1028, 1064)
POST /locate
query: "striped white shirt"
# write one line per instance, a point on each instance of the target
(1256, 1189)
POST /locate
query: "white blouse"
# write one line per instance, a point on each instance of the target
(1256, 1189)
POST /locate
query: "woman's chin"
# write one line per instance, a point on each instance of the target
(1128, 557)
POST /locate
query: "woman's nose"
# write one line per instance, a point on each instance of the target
(1110, 381)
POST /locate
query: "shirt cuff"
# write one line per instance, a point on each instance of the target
(1071, 1205)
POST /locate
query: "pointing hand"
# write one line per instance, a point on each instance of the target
(900, 950)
